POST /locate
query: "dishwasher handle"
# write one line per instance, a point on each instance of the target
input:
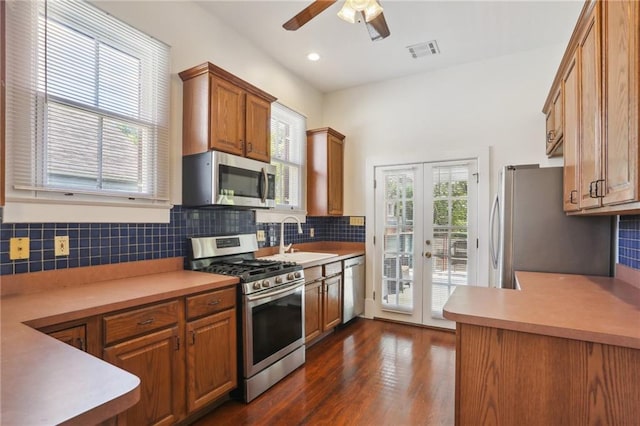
(349, 263)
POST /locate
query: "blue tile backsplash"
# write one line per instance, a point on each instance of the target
(629, 241)
(104, 243)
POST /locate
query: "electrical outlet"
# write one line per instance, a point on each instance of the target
(356, 220)
(18, 248)
(62, 245)
(260, 235)
(312, 232)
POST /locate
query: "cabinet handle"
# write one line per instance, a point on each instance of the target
(147, 321)
(591, 191)
(550, 136)
(571, 200)
(81, 344)
(193, 337)
(214, 302)
(600, 188)
(177, 343)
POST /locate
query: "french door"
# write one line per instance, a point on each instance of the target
(425, 238)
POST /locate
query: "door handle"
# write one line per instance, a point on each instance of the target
(495, 211)
(265, 188)
(428, 255)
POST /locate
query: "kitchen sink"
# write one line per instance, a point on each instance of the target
(300, 256)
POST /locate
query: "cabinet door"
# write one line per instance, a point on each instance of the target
(258, 129)
(156, 360)
(74, 336)
(558, 114)
(620, 44)
(571, 135)
(211, 358)
(312, 310)
(332, 302)
(336, 175)
(589, 139)
(227, 117)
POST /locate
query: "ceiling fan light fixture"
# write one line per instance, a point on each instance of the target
(372, 11)
(347, 13)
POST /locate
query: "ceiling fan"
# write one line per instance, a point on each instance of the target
(352, 11)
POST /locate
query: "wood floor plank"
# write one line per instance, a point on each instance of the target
(367, 373)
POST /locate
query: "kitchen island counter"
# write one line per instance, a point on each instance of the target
(45, 381)
(594, 309)
(564, 349)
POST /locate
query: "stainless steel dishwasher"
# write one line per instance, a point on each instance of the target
(353, 298)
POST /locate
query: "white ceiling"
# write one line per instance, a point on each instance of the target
(466, 31)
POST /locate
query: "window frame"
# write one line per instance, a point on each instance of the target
(281, 112)
(35, 201)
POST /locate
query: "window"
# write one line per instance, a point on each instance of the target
(87, 106)
(288, 142)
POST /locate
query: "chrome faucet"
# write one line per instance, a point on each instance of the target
(284, 249)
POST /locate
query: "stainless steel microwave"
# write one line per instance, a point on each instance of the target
(214, 178)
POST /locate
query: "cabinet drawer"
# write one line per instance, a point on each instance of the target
(332, 269)
(312, 274)
(208, 303)
(141, 321)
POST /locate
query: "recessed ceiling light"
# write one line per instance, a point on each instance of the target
(313, 56)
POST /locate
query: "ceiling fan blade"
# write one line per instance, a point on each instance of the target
(377, 28)
(307, 14)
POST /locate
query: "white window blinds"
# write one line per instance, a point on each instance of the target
(288, 143)
(87, 100)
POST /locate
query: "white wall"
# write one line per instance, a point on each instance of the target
(495, 103)
(197, 36)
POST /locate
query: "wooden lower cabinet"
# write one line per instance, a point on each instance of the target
(157, 359)
(81, 334)
(332, 302)
(322, 303)
(506, 377)
(211, 358)
(74, 336)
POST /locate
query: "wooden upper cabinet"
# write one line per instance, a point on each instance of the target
(589, 146)
(571, 132)
(227, 117)
(554, 123)
(258, 128)
(325, 172)
(621, 153)
(224, 113)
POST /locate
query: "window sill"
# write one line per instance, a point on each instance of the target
(276, 216)
(30, 212)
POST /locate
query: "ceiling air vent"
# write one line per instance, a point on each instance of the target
(427, 48)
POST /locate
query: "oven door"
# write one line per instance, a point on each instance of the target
(243, 182)
(273, 326)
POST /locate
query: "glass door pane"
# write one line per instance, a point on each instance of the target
(450, 263)
(398, 284)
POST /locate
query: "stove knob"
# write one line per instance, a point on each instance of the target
(256, 285)
(266, 283)
(279, 280)
(289, 276)
(298, 274)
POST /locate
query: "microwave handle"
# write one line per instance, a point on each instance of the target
(265, 188)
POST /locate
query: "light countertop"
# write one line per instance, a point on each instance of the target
(45, 381)
(595, 309)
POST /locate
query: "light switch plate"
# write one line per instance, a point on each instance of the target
(260, 235)
(356, 220)
(62, 245)
(19, 248)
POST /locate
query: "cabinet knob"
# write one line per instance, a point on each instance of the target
(428, 255)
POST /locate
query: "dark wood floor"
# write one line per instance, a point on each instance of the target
(367, 373)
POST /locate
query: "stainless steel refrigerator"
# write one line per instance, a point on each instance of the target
(530, 231)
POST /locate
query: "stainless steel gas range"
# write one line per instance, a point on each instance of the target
(271, 298)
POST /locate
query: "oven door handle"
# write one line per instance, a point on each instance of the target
(275, 293)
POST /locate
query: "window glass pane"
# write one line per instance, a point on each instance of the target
(70, 64)
(72, 146)
(123, 153)
(288, 139)
(119, 82)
